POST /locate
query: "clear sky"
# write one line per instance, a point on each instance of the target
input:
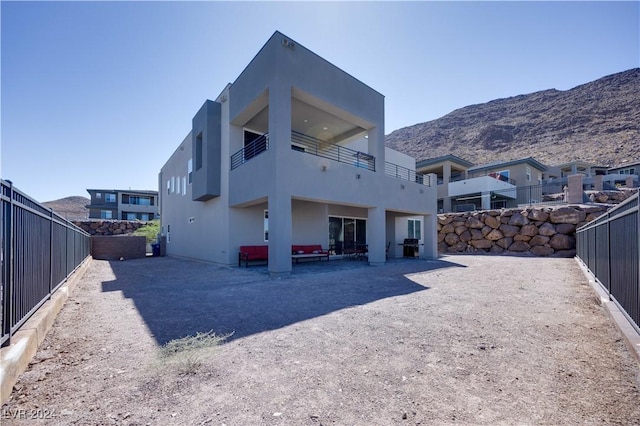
(99, 94)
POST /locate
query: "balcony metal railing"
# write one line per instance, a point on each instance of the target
(311, 145)
(253, 148)
(404, 173)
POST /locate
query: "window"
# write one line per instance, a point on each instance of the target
(190, 170)
(169, 186)
(131, 216)
(110, 198)
(199, 151)
(144, 216)
(106, 214)
(98, 194)
(266, 225)
(528, 172)
(184, 185)
(173, 184)
(414, 230)
(140, 201)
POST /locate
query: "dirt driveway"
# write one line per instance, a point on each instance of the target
(461, 340)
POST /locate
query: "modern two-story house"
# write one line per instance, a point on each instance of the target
(448, 168)
(292, 152)
(120, 204)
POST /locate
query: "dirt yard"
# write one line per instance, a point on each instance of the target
(461, 340)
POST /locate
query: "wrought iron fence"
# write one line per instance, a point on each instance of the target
(40, 249)
(609, 247)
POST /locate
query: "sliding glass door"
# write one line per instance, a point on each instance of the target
(346, 232)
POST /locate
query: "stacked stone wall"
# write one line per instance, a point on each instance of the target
(545, 231)
(109, 227)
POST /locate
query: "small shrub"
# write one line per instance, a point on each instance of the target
(150, 231)
(186, 354)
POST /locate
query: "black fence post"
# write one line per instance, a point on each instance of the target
(50, 252)
(7, 243)
(609, 254)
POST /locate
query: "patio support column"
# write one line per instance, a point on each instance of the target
(279, 199)
(486, 201)
(376, 227)
(446, 177)
(430, 236)
(280, 235)
(375, 138)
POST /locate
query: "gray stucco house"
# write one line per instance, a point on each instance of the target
(292, 153)
(123, 204)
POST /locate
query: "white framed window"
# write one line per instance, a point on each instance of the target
(266, 225)
(414, 229)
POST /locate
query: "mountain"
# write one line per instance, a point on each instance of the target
(72, 208)
(598, 122)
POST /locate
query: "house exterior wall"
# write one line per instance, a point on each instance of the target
(299, 190)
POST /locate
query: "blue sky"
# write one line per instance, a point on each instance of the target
(99, 94)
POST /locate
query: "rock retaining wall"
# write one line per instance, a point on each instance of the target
(543, 231)
(109, 227)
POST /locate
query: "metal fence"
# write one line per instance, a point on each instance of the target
(400, 172)
(610, 248)
(39, 250)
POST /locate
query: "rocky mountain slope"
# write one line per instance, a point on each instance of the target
(72, 208)
(598, 122)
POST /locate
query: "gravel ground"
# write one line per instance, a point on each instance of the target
(461, 340)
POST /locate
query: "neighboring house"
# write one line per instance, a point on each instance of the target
(572, 168)
(463, 186)
(448, 168)
(292, 153)
(123, 204)
(594, 176)
(626, 175)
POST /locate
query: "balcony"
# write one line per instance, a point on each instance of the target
(404, 173)
(310, 145)
(252, 149)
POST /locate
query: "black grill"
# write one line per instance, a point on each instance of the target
(410, 247)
